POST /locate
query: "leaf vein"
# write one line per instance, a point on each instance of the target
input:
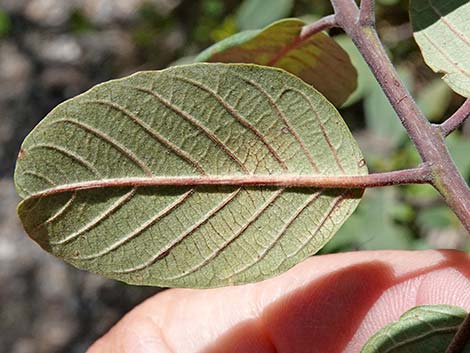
(60, 212)
(286, 121)
(334, 206)
(142, 228)
(69, 154)
(40, 176)
(97, 220)
(321, 125)
(124, 150)
(238, 117)
(404, 342)
(445, 56)
(449, 24)
(195, 122)
(165, 251)
(155, 135)
(283, 230)
(234, 237)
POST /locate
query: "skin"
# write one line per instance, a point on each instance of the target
(329, 303)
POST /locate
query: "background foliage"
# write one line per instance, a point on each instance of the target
(52, 50)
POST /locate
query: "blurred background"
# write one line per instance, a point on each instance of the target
(51, 50)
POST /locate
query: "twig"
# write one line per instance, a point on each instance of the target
(367, 13)
(345, 8)
(306, 32)
(457, 119)
(461, 337)
(419, 175)
(428, 140)
(322, 24)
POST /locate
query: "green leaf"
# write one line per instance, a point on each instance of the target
(280, 45)
(254, 14)
(423, 329)
(442, 31)
(108, 177)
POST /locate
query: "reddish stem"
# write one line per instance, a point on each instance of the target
(457, 119)
(367, 13)
(322, 24)
(428, 141)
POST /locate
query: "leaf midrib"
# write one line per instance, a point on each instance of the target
(281, 180)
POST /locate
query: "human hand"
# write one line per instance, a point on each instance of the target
(327, 304)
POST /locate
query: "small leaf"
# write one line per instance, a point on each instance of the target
(442, 31)
(255, 14)
(280, 45)
(423, 329)
(103, 176)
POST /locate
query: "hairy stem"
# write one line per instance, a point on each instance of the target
(428, 141)
(420, 175)
(367, 13)
(457, 119)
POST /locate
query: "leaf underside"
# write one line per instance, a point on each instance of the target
(195, 120)
(318, 60)
(423, 329)
(442, 31)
